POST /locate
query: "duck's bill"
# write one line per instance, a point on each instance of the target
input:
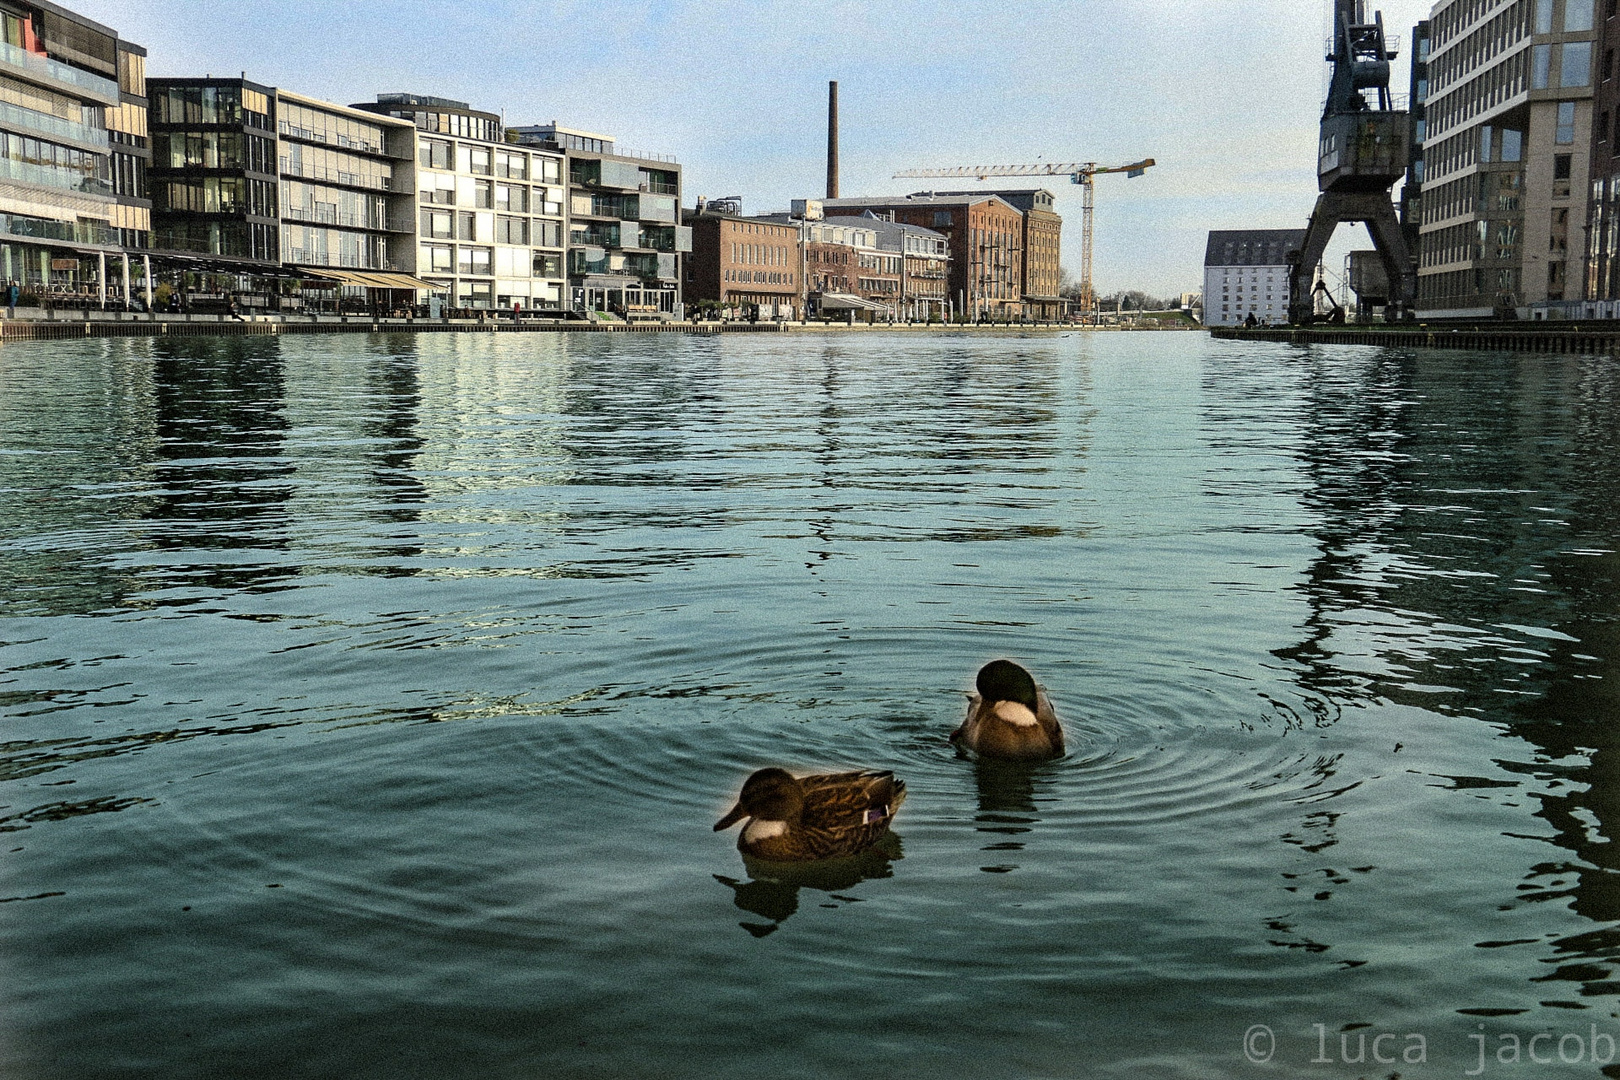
(736, 815)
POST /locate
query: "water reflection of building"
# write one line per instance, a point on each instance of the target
(221, 464)
(1466, 519)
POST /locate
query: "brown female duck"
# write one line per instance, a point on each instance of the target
(796, 819)
(1010, 717)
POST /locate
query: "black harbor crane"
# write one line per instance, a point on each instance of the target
(1363, 150)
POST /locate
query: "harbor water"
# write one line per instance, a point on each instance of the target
(366, 704)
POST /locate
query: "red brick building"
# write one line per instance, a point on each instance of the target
(986, 239)
(748, 266)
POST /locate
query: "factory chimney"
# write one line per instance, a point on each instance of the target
(832, 140)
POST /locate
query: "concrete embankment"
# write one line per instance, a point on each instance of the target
(1592, 338)
(99, 325)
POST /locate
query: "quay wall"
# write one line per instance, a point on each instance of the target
(1601, 339)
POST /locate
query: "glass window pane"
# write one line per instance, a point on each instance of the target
(1576, 64)
(1577, 15)
(1540, 65)
(1544, 16)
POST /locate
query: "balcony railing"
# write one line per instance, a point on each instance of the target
(343, 142)
(308, 258)
(100, 87)
(343, 218)
(53, 126)
(335, 176)
(53, 176)
(71, 232)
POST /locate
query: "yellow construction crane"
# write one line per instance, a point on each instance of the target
(1078, 173)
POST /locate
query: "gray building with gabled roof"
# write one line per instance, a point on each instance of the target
(1246, 273)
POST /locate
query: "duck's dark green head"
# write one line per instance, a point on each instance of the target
(1003, 680)
(768, 795)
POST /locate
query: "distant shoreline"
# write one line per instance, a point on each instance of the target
(61, 329)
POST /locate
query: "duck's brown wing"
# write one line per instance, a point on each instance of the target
(1047, 718)
(846, 812)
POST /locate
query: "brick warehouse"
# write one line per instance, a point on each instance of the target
(745, 264)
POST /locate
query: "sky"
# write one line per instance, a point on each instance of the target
(1225, 94)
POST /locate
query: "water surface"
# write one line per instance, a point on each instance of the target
(365, 704)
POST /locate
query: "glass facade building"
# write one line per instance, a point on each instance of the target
(72, 154)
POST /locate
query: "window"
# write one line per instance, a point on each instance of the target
(943, 217)
(473, 260)
(1561, 169)
(435, 154)
(1540, 66)
(513, 165)
(1577, 15)
(1544, 16)
(478, 161)
(513, 199)
(511, 230)
(1566, 124)
(437, 259)
(1575, 67)
(548, 233)
(547, 265)
(1485, 144)
(468, 222)
(438, 224)
(1512, 145)
(484, 194)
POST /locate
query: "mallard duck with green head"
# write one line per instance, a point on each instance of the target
(1010, 717)
(827, 816)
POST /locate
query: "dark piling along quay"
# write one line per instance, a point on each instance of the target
(1599, 339)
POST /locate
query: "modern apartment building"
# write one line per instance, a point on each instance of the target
(986, 238)
(1042, 248)
(273, 186)
(1246, 273)
(750, 267)
(1507, 148)
(625, 237)
(70, 192)
(491, 217)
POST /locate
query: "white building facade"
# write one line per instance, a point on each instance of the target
(491, 215)
(1246, 274)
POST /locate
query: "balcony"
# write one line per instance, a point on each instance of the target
(70, 232)
(51, 176)
(342, 142)
(335, 176)
(33, 66)
(54, 127)
(344, 219)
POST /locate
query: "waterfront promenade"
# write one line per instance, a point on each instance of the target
(120, 324)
